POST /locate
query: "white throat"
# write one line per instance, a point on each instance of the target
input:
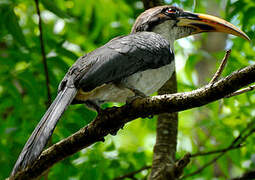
(166, 30)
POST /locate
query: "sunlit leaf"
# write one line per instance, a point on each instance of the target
(51, 6)
(13, 26)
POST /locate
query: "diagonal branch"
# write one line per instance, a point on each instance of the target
(117, 117)
(241, 91)
(131, 174)
(236, 143)
(216, 151)
(221, 67)
(46, 72)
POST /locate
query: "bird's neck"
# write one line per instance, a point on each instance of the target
(167, 31)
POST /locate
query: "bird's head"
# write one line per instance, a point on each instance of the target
(174, 23)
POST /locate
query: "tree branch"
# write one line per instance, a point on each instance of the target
(241, 91)
(236, 143)
(131, 174)
(163, 165)
(215, 151)
(46, 72)
(116, 117)
(221, 67)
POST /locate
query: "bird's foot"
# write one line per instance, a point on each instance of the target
(114, 131)
(129, 100)
(94, 106)
(138, 94)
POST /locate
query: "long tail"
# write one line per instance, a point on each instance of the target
(44, 129)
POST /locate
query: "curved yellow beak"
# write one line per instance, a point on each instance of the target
(208, 23)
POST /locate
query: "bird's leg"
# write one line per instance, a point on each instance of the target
(138, 93)
(93, 105)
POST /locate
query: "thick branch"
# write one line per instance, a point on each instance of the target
(163, 164)
(113, 118)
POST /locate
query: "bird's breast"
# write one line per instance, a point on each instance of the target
(151, 80)
(148, 82)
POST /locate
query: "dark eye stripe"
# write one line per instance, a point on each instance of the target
(171, 10)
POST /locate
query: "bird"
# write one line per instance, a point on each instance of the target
(127, 67)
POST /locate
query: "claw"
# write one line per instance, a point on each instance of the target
(131, 99)
(114, 132)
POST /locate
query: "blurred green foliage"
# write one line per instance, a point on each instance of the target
(73, 27)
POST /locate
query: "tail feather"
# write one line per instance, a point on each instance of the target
(44, 129)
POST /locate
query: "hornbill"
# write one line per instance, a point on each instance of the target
(128, 66)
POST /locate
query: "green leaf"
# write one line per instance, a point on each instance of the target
(50, 5)
(190, 65)
(12, 25)
(5, 2)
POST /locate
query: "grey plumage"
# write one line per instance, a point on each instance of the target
(111, 63)
(120, 58)
(139, 63)
(44, 129)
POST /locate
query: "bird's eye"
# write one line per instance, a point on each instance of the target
(170, 10)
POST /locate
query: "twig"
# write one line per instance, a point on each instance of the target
(221, 67)
(131, 174)
(204, 166)
(235, 144)
(241, 91)
(216, 151)
(181, 164)
(46, 72)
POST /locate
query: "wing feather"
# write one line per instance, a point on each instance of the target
(122, 57)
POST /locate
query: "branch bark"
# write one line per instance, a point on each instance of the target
(221, 67)
(163, 165)
(116, 117)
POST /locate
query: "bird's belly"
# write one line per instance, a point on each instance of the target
(148, 82)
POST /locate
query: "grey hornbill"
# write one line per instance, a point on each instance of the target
(127, 66)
